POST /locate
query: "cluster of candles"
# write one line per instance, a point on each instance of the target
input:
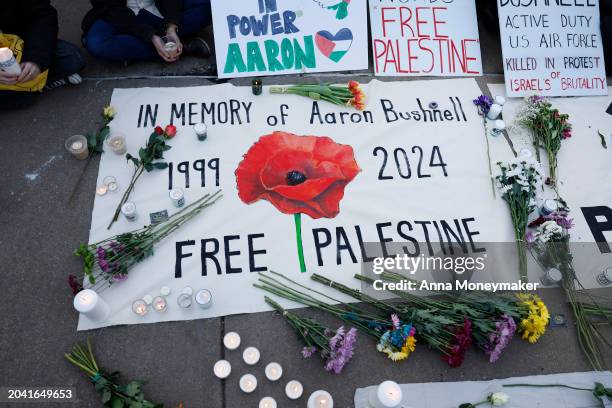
(494, 113)
(273, 372)
(185, 300)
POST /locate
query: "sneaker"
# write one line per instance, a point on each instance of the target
(74, 79)
(198, 47)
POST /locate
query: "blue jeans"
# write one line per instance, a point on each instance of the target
(67, 60)
(103, 41)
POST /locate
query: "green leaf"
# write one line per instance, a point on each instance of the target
(148, 167)
(117, 402)
(92, 141)
(142, 153)
(106, 396)
(160, 165)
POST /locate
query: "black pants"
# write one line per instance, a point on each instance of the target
(67, 60)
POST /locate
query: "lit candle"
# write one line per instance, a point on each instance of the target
(274, 371)
(222, 369)
(248, 383)
(201, 131)
(494, 112)
(267, 402)
(8, 63)
(102, 190)
(117, 144)
(231, 341)
(140, 307)
(251, 355)
(294, 389)
(386, 395)
(320, 399)
(204, 298)
(77, 145)
(500, 100)
(256, 86)
(88, 303)
(160, 304)
(170, 46)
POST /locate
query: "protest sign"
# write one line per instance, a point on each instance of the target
(425, 38)
(552, 48)
(273, 37)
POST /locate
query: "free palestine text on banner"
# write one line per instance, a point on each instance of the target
(398, 172)
(272, 37)
(425, 38)
(552, 48)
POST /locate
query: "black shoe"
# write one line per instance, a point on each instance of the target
(74, 79)
(198, 47)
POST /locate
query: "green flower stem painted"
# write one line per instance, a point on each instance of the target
(298, 236)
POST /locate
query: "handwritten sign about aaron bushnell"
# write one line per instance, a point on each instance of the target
(425, 38)
(552, 47)
(273, 37)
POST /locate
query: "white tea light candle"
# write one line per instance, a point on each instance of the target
(118, 144)
(90, 304)
(231, 341)
(140, 307)
(251, 355)
(552, 277)
(387, 395)
(204, 298)
(274, 371)
(222, 369)
(184, 300)
(248, 383)
(102, 190)
(320, 399)
(500, 100)
(77, 146)
(494, 112)
(165, 291)
(267, 402)
(201, 131)
(160, 304)
(294, 389)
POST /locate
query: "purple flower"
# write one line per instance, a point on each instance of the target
(396, 321)
(307, 352)
(337, 338)
(120, 277)
(483, 102)
(530, 237)
(500, 338)
(341, 345)
(103, 264)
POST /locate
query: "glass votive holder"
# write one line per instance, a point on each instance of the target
(77, 145)
(257, 86)
(201, 131)
(185, 300)
(140, 307)
(160, 304)
(117, 144)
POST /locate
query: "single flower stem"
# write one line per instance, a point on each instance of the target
(298, 235)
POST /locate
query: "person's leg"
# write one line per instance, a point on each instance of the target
(11, 100)
(67, 60)
(196, 16)
(103, 41)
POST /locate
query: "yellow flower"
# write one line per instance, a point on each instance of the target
(533, 325)
(395, 355)
(409, 345)
(109, 112)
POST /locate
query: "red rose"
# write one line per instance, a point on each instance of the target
(170, 131)
(159, 130)
(297, 174)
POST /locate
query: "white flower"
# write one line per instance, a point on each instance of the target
(497, 399)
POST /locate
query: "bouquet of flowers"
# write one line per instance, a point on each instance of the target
(149, 159)
(343, 95)
(394, 338)
(548, 129)
(335, 346)
(114, 395)
(549, 243)
(518, 182)
(111, 260)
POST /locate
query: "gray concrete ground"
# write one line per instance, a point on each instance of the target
(40, 231)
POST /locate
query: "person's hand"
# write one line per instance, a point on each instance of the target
(158, 43)
(171, 35)
(29, 71)
(8, 79)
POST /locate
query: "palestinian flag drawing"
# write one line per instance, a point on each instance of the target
(336, 46)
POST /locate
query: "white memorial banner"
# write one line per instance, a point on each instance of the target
(552, 48)
(272, 37)
(425, 38)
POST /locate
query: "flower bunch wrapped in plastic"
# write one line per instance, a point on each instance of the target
(398, 342)
(548, 129)
(535, 317)
(350, 94)
(518, 183)
(335, 346)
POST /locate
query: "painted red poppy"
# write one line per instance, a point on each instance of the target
(297, 174)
